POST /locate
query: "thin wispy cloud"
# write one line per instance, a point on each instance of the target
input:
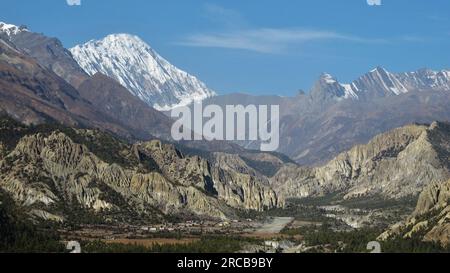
(73, 2)
(268, 40)
(236, 33)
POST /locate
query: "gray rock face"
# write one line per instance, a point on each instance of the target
(228, 178)
(393, 165)
(430, 220)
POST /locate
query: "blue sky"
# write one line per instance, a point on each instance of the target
(258, 46)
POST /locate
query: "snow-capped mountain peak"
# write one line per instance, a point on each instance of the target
(388, 81)
(327, 78)
(329, 87)
(134, 64)
(10, 29)
(424, 79)
(379, 83)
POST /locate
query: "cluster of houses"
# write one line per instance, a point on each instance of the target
(192, 226)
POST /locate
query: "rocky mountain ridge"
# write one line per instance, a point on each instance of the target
(431, 218)
(50, 170)
(381, 83)
(394, 165)
(48, 52)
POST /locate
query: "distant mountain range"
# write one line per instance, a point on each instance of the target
(381, 83)
(134, 64)
(333, 117)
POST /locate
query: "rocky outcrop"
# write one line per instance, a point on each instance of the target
(48, 170)
(240, 183)
(396, 164)
(228, 178)
(431, 218)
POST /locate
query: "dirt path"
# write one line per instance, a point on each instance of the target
(274, 226)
